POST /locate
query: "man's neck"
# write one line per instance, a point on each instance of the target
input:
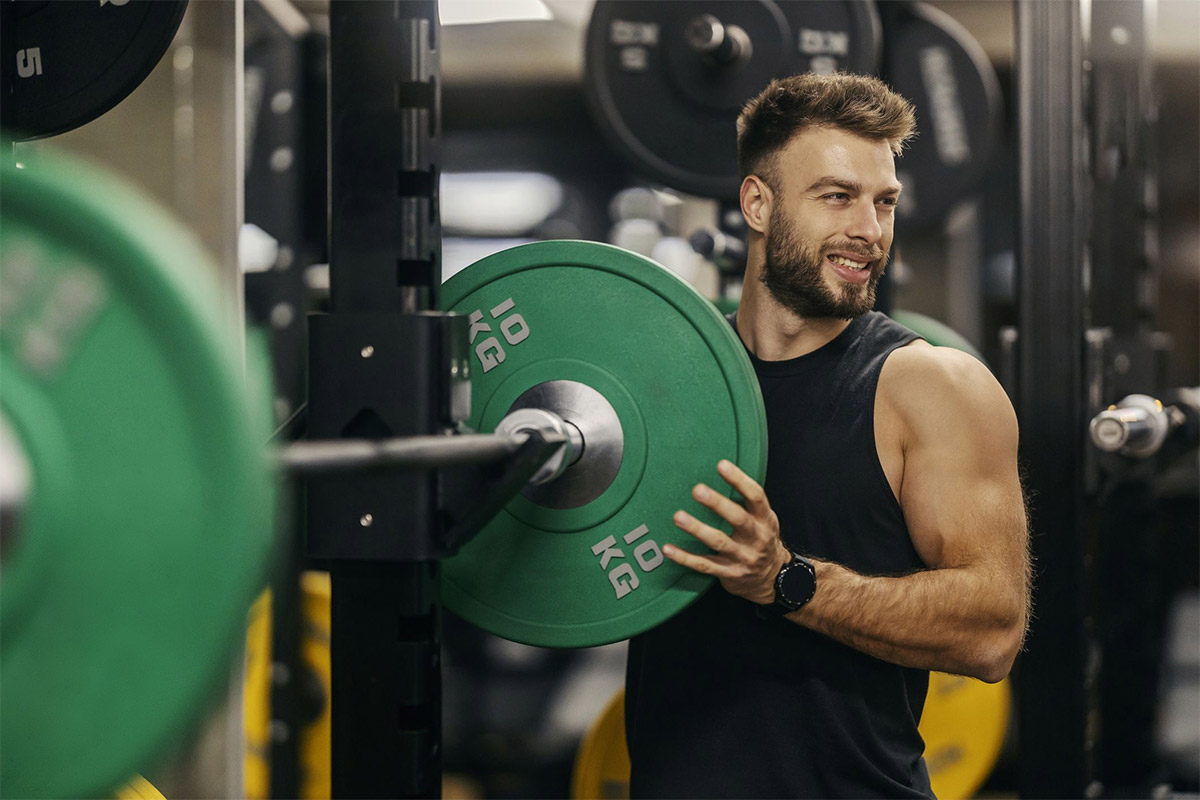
(775, 333)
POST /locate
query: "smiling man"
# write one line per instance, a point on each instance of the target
(890, 537)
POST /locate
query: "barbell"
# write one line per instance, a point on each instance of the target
(144, 523)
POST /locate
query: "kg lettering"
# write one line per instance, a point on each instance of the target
(512, 327)
(622, 575)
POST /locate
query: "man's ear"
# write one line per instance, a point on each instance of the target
(756, 199)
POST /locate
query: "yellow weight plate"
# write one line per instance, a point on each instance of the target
(139, 789)
(256, 702)
(963, 727)
(315, 737)
(602, 764)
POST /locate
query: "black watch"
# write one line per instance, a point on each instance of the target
(795, 585)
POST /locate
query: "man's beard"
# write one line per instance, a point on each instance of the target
(793, 274)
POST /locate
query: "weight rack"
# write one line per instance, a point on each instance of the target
(388, 377)
(380, 365)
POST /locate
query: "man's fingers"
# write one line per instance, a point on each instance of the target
(716, 540)
(701, 564)
(747, 487)
(725, 508)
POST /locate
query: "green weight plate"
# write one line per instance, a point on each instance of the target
(661, 388)
(130, 564)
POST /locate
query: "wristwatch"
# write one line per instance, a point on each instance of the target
(795, 585)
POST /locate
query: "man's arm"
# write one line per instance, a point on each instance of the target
(962, 502)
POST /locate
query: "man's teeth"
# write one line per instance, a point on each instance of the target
(845, 262)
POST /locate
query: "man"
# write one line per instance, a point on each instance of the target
(890, 537)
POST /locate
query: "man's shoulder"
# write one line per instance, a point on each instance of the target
(921, 360)
(922, 379)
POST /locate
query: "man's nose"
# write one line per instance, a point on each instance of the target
(864, 223)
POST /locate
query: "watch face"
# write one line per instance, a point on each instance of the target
(797, 583)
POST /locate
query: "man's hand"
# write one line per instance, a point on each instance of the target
(747, 561)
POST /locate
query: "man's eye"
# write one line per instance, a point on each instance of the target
(837, 196)
(888, 201)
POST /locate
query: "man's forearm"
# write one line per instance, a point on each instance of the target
(950, 620)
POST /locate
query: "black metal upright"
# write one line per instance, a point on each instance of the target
(381, 368)
(1057, 672)
(1131, 562)
(385, 120)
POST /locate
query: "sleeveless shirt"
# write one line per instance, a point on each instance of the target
(721, 703)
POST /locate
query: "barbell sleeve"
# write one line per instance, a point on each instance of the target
(1135, 427)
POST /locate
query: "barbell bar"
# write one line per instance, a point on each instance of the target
(325, 457)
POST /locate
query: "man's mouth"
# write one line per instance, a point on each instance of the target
(849, 263)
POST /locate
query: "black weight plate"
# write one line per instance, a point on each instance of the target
(833, 36)
(73, 60)
(936, 64)
(672, 112)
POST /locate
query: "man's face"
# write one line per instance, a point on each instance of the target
(830, 226)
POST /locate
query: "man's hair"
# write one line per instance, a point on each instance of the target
(858, 104)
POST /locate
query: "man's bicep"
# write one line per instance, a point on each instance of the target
(961, 494)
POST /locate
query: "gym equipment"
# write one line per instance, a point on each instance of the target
(315, 680)
(725, 250)
(76, 60)
(1139, 425)
(126, 534)
(139, 789)
(935, 63)
(666, 80)
(1050, 386)
(145, 522)
(963, 726)
(601, 770)
(144, 519)
(657, 385)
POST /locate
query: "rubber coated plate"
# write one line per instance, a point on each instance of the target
(684, 392)
(963, 725)
(129, 568)
(315, 772)
(672, 112)
(75, 60)
(934, 63)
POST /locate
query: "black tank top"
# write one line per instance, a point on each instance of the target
(721, 703)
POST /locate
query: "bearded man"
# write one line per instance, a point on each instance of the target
(890, 537)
